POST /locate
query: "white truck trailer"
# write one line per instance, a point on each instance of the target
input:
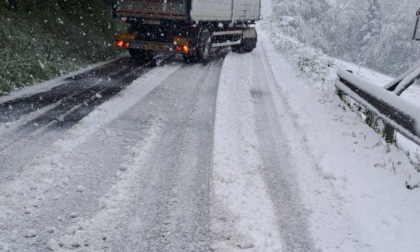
(188, 27)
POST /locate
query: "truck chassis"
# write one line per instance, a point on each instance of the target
(194, 40)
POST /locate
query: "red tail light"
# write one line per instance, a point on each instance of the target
(184, 49)
(122, 44)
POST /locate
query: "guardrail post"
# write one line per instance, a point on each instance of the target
(389, 134)
(342, 97)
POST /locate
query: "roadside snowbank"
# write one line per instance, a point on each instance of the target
(354, 183)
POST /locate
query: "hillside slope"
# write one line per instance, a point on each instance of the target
(41, 40)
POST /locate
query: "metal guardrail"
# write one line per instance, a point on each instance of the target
(385, 103)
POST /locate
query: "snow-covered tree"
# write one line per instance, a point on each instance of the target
(375, 33)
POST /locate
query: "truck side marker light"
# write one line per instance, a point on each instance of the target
(186, 49)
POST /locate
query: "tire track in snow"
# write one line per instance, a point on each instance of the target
(190, 218)
(320, 188)
(242, 214)
(17, 108)
(170, 210)
(116, 203)
(292, 217)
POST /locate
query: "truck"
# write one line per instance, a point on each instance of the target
(191, 28)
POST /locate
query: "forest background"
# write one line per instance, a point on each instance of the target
(376, 34)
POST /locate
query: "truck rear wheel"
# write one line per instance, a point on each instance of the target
(249, 41)
(142, 55)
(202, 52)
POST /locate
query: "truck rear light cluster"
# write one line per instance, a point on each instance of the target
(122, 44)
(184, 49)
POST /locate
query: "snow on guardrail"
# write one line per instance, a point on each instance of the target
(403, 81)
(394, 110)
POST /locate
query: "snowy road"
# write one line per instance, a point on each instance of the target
(92, 165)
(157, 149)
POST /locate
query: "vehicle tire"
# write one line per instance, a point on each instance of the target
(249, 41)
(142, 55)
(202, 52)
(247, 46)
(204, 46)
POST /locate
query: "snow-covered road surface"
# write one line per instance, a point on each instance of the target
(33, 122)
(136, 173)
(238, 154)
(253, 178)
(133, 178)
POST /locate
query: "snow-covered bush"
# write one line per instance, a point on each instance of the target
(313, 62)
